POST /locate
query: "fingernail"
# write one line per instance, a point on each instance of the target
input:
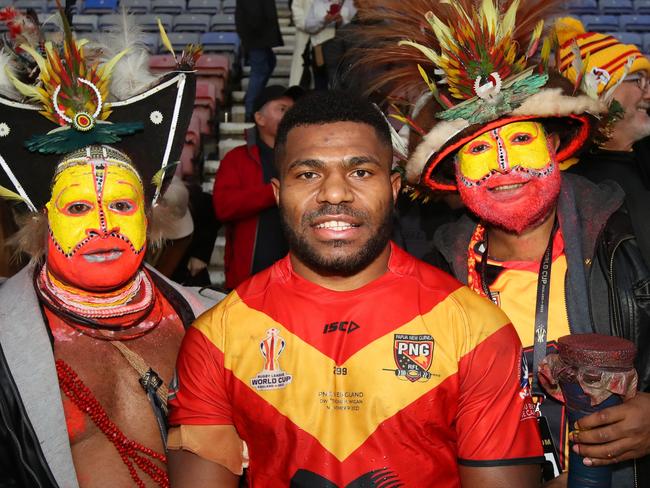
(575, 448)
(587, 462)
(575, 425)
(573, 435)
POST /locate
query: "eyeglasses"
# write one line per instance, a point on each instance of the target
(640, 80)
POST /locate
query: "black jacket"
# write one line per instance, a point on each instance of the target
(607, 283)
(257, 24)
(22, 461)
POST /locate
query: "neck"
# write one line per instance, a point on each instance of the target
(337, 282)
(527, 246)
(267, 139)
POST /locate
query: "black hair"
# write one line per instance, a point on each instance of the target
(327, 107)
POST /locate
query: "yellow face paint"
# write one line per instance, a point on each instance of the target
(96, 199)
(522, 144)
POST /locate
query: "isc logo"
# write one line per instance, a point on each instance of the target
(344, 326)
(414, 349)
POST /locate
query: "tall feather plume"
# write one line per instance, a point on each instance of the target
(130, 75)
(7, 88)
(388, 22)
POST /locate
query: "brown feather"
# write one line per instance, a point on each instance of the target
(386, 22)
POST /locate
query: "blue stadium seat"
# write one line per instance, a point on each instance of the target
(646, 43)
(636, 23)
(136, 6)
(642, 6)
(600, 23)
(98, 6)
(181, 39)
(203, 6)
(149, 22)
(38, 5)
(192, 23)
(228, 6)
(616, 7)
(51, 6)
(222, 22)
(84, 23)
(582, 6)
(220, 42)
(628, 38)
(173, 7)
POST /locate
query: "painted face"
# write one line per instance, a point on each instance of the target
(336, 196)
(97, 225)
(508, 176)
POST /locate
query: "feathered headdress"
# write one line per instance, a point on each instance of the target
(68, 106)
(486, 63)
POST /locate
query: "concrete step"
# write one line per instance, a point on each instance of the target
(226, 145)
(217, 276)
(284, 21)
(287, 30)
(233, 129)
(238, 113)
(282, 81)
(279, 71)
(238, 95)
(283, 50)
(210, 167)
(207, 186)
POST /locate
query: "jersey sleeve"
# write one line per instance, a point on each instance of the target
(496, 421)
(198, 393)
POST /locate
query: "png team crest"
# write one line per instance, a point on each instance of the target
(271, 377)
(413, 356)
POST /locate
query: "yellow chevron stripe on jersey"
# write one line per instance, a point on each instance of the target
(369, 382)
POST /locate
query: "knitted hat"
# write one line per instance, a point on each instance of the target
(604, 55)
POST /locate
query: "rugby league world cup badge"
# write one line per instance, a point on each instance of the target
(413, 356)
(271, 377)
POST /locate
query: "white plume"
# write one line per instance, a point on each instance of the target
(7, 88)
(131, 74)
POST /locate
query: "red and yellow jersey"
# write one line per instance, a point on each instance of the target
(399, 380)
(515, 290)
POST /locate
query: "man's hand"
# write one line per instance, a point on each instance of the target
(333, 18)
(195, 265)
(614, 434)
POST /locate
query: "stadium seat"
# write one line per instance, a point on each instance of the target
(136, 6)
(582, 6)
(49, 21)
(642, 6)
(181, 39)
(38, 5)
(220, 42)
(600, 23)
(51, 6)
(206, 96)
(149, 22)
(222, 23)
(635, 23)
(173, 7)
(215, 69)
(646, 43)
(107, 22)
(616, 7)
(628, 37)
(152, 41)
(228, 6)
(98, 6)
(192, 23)
(203, 6)
(84, 23)
(162, 63)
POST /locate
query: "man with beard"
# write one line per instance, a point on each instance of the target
(349, 362)
(554, 252)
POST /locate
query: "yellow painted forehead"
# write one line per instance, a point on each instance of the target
(81, 174)
(508, 130)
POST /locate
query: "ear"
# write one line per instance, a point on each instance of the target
(396, 184)
(259, 119)
(275, 183)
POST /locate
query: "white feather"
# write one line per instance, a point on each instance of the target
(131, 74)
(7, 88)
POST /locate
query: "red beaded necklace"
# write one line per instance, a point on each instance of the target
(129, 450)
